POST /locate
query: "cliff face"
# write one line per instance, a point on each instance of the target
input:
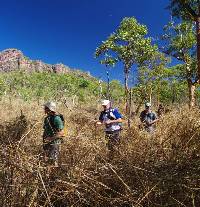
(13, 59)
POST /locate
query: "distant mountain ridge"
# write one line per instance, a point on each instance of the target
(13, 60)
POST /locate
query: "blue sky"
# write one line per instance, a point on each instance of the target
(69, 31)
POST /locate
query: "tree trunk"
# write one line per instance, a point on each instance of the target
(129, 109)
(198, 42)
(108, 87)
(126, 84)
(150, 94)
(191, 90)
(126, 76)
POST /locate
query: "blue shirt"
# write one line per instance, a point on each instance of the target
(111, 114)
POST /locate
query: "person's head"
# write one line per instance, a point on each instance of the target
(147, 106)
(105, 104)
(50, 107)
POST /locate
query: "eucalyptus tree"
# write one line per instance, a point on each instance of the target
(189, 10)
(128, 45)
(180, 43)
(150, 75)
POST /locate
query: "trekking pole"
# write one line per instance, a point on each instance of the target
(108, 85)
(100, 88)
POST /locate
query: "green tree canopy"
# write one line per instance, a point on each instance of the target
(189, 10)
(128, 45)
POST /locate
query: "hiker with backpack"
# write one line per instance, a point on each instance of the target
(148, 118)
(112, 120)
(53, 132)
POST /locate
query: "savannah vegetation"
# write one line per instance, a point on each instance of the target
(149, 170)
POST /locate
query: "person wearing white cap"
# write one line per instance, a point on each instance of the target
(148, 118)
(112, 120)
(53, 132)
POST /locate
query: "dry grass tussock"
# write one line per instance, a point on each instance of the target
(162, 169)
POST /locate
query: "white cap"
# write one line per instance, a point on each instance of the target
(51, 106)
(147, 104)
(105, 102)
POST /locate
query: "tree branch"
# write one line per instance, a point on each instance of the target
(174, 55)
(190, 10)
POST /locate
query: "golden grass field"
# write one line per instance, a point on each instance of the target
(162, 169)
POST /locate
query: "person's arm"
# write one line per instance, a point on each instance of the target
(60, 133)
(119, 120)
(155, 120)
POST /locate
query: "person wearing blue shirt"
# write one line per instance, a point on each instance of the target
(112, 120)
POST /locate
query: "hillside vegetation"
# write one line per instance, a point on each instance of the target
(74, 85)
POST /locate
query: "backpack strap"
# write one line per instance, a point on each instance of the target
(111, 115)
(51, 122)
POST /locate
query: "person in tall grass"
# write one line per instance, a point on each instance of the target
(148, 118)
(112, 119)
(53, 132)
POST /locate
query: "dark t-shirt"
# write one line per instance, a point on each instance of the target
(146, 118)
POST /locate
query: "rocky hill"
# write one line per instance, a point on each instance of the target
(14, 59)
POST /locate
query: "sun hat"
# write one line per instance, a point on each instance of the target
(148, 104)
(105, 102)
(51, 106)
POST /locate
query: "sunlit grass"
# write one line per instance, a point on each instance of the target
(158, 170)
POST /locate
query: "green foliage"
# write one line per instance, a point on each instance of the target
(47, 85)
(127, 44)
(83, 83)
(153, 69)
(173, 92)
(189, 10)
(180, 41)
(116, 90)
(151, 73)
(181, 44)
(166, 91)
(186, 9)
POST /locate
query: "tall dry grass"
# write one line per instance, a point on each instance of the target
(162, 169)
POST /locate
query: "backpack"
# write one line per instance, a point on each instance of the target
(110, 115)
(58, 140)
(51, 120)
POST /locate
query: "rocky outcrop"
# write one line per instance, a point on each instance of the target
(13, 59)
(60, 68)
